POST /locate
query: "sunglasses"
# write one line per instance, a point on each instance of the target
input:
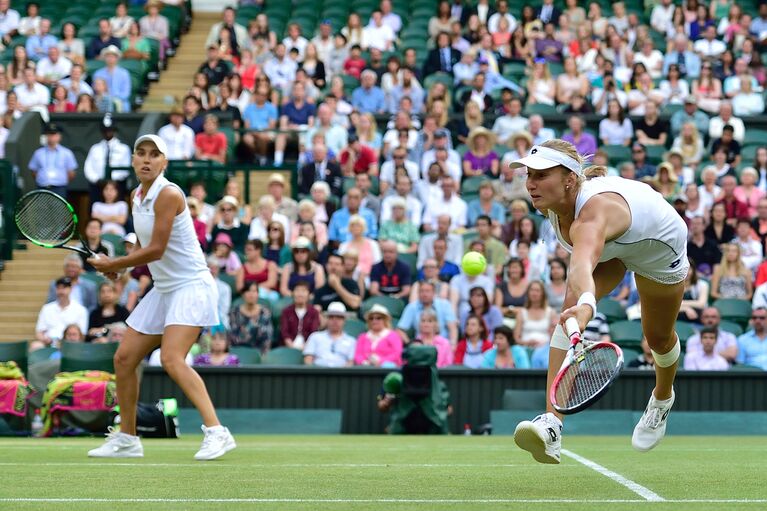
(227, 210)
(272, 229)
(376, 317)
(758, 317)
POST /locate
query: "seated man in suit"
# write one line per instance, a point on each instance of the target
(442, 58)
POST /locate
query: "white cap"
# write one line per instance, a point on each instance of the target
(157, 141)
(336, 309)
(541, 158)
(130, 238)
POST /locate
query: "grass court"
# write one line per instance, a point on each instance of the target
(339, 473)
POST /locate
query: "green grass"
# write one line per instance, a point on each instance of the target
(383, 473)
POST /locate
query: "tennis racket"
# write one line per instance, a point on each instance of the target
(586, 373)
(48, 220)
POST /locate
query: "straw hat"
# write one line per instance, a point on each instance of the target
(668, 167)
(481, 131)
(377, 309)
(520, 134)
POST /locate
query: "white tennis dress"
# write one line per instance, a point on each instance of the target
(655, 244)
(184, 291)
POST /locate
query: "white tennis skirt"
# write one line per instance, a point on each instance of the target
(195, 304)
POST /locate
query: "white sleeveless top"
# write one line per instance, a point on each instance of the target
(183, 261)
(654, 245)
(535, 330)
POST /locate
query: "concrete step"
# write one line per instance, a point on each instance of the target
(17, 306)
(21, 336)
(8, 316)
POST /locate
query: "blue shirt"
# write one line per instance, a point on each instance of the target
(298, 115)
(411, 316)
(541, 357)
(37, 46)
(518, 353)
(752, 350)
(52, 166)
(258, 117)
(474, 211)
(415, 95)
(338, 228)
(390, 282)
(447, 272)
(372, 100)
(118, 84)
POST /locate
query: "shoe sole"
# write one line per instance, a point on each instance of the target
(527, 438)
(137, 455)
(646, 449)
(228, 447)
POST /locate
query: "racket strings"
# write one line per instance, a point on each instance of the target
(46, 219)
(586, 376)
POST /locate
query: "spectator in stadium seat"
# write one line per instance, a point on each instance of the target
(302, 268)
(535, 320)
(470, 350)
(59, 102)
(443, 57)
(331, 347)
(31, 94)
(390, 276)
(121, 22)
(83, 291)
(726, 343)
(689, 113)
(104, 39)
(643, 168)
(37, 45)
(704, 251)
(541, 88)
(71, 47)
(230, 223)
(644, 92)
(465, 69)
(616, 128)
(453, 250)
(321, 169)
(726, 118)
(752, 348)
(178, 136)
(334, 134)
(651, 130)
(398, 228)
(358, 158)
(731, 277)
(214, 68)
(583, 141)
(460, 287)
(193, 116)
(689, 62)
(117, 78)
(281, 69)
(477, 94)
(506, 125)
(748, 190)
(448, 203)
(403, 189)
(265, 215)
(338, 287)
(53, 67)
(211, 144)
(367, 250)
(746, 101)
(368, 97)
(445, 319)
(735, 209)
(250, 324)
(750, 249)
(441, 141)
(155, 26)
(548, 47)
(57, 314)
(378, 34)
(75, 84)
(296, 117)
(239, 32)
(299, 319)
(94, 242)
(10, 21)
(380, 346)
(294, 39)
(108, 311)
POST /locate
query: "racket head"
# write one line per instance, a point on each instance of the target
(585, 377)
(46, 219)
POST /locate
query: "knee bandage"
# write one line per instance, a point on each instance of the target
(667, 359)
(559, 339)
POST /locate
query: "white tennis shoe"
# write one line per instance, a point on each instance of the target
(217, 442)
(118, 445)
(541, 437)
(652, 426)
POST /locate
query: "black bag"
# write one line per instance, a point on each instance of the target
(154, 421)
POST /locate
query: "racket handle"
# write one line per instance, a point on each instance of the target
(571, 325)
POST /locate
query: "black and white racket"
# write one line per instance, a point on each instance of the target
(586, 374)
(48, 220)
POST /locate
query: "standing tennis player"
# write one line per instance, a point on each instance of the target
(183, 300)
(609, 225)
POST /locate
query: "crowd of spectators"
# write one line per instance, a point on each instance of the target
(402, 160)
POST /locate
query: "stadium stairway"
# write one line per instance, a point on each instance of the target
(23, 289)
(177, 79)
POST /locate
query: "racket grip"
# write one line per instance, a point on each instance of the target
(571, 325)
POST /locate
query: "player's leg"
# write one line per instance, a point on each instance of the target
(542, 436)
(176, 343)
(660, 306)
(132, 350)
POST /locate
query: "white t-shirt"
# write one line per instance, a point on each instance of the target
(54, 319)
(378, 37)
(330, 352)
(113, 209)
(37, 96)
(50, 71)
(180, 141)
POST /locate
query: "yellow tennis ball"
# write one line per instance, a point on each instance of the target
(473, 263)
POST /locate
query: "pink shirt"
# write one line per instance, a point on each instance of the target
(751, 200)
(444, 351)
(388, 348)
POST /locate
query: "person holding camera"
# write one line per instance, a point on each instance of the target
(108, 311)
(610, 90)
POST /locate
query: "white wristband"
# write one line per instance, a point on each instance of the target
(590, 300)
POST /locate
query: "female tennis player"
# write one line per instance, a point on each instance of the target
(184, 299)
(609, 225)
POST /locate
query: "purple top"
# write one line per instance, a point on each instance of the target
(586, 145)
(481, 162)
(205, 360)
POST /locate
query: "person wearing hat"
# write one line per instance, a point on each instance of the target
(230, 223)
(184, 299)
(97, 169)
(665, 181)
(117, 78)
(178, 136)
(155, 26)
(56, 315)
(688, 113)
(380, 345)
(608, 224)
(302, 268)
(520, 143)
(283, 204)
(481, 159)
(331, 347)
(53, 166)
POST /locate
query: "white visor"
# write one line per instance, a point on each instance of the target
(541, 158)
(157, 141)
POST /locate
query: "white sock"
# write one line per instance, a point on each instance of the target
(278, 156)
(216, 429)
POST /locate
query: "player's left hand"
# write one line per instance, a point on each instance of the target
(582, 313)
(103, 264)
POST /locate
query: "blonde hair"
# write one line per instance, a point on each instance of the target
(569, 149)
(724, 264)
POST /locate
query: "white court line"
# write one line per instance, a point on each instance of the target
(139, 464)
(380, 501)
(637, 488)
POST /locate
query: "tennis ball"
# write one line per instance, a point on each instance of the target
(473, 263)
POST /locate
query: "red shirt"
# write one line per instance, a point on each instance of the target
(460, 350)
(353, 67)
(211, 144)
(365, 159)
(735, 208)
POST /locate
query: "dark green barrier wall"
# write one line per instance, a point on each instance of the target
(474, 393)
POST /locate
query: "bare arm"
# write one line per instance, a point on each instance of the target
(284, 277)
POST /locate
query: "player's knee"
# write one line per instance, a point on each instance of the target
(668, 353)
(171, 362)
(123, 361)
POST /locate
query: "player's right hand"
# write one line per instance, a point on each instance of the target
(582, 314)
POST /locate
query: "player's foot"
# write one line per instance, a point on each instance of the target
(217, 442)
(652, 426)
(541, 437)
(118, 445)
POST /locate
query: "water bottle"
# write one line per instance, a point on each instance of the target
(37, 424)
(467, 429)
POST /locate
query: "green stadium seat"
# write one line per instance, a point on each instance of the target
(355, 327)
(247, 355)
(612, 310)
(284, 357)
(748, 153)
(229, 280)
(16, 352)
(94, 277)
(617, 153)
(470, 185)
(732, 309)
(410, 260)
(80, 356)
(117, 242)
(629, 355)
(279, 306)
(626, 333)
(395, 306)
(540, 109)
(755, 137)
(40, 355)
(655, 153)
(730, 326)
(684, 330)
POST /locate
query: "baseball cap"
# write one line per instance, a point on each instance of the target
(130, 238)
(64, 281)
(301, 242)
(541, 158)
(157, 141)
(336, 309)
